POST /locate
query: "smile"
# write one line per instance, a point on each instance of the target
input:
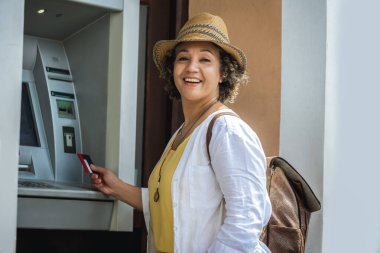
(192, 80)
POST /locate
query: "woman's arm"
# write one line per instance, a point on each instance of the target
(108, 183)
(239, 164)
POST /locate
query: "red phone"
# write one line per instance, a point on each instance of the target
(86, 161)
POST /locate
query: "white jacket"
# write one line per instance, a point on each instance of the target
(222, 208)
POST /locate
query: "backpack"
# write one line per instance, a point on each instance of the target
(292, 202)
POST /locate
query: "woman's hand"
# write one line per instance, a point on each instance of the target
(105, 180)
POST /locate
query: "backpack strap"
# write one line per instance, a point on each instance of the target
(211, 125)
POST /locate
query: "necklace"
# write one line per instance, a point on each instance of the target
(183, 134)
(182, 137)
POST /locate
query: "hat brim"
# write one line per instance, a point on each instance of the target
(161, 48)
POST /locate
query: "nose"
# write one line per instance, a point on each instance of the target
(192, 66)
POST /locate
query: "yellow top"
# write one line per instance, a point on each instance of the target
(161, 212)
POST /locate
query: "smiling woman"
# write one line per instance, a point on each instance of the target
(232, 75)
(197, 72)
(192, 205)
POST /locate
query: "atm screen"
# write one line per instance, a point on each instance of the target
(65, 109)
(28, 130)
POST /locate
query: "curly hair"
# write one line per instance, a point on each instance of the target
(232, 76)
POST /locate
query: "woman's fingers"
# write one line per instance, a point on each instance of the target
(97, 169)
(96, 178)
(103, 179)
(97, 181)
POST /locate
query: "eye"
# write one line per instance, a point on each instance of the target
(205, 60)
(182, 58)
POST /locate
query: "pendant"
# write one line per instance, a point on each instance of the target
(156, 196)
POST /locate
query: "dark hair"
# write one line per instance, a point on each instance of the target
(232, 76)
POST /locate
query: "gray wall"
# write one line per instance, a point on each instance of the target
(351, 171)
(302, 98)
(11, 33)
(87, 51)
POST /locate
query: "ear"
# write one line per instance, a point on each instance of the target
(221, 78)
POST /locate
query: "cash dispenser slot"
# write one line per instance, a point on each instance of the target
(62, 95)
(59, 74)
(58, 71)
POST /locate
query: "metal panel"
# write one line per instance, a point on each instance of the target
(51, 213)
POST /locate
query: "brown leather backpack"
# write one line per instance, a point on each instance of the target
(292, 202)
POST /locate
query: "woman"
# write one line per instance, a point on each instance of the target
(193, 204)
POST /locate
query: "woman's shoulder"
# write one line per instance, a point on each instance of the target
(230, 122)
(232, 131)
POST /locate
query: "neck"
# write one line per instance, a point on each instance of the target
(193, 111)
(193, 116)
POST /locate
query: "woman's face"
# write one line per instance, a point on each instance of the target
(197, 71)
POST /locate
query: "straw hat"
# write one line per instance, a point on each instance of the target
(202, 27)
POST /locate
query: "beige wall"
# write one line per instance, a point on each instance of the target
(255, 27)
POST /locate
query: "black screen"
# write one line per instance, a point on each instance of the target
(28, 131)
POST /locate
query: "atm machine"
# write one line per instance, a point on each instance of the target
(54, 190)
(79, 95)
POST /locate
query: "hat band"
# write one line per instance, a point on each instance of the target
(209, 34)
(207, 26)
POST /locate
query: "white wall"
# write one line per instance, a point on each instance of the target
(11, 33)
(302, 97)
(351, 171)
(122, 104)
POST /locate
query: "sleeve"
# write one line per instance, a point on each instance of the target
(145, 202)
(239, 163)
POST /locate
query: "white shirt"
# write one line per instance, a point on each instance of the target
(222, 208)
